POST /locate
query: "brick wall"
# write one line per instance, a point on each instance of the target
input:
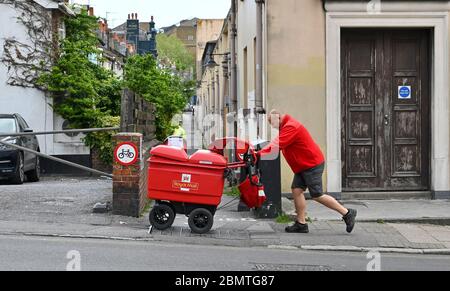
(98, 164)
(126, 179)
(137, 115)
(144, 175)
(130, 182)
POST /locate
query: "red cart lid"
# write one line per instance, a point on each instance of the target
(205, 157)
(170, 152)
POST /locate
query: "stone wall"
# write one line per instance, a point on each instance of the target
(137, 115)
(126, 180)
(130, 182)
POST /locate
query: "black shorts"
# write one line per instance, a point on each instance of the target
(311, 179)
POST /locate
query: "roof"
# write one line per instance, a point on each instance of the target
(144, 26)
(6, 115)
(183, 23)
(56, 4)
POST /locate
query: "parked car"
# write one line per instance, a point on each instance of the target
(16, 164)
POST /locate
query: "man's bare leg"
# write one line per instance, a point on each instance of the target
(300, 204)
(332, 203)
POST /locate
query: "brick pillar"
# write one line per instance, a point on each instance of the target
(127, 182)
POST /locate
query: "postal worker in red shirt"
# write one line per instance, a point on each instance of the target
(307, 162)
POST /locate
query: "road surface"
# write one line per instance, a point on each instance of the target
(48, 253)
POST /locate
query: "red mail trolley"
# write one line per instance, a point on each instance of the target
(192, 185)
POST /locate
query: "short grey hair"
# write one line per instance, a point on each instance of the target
(274, 112)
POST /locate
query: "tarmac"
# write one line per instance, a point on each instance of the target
(61, 207)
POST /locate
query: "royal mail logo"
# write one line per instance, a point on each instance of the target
(185, 185)
(186, 178)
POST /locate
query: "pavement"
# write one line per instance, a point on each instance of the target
(62, 207)
(395, 211)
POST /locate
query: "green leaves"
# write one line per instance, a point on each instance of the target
(172, 52)
(158, 86)
(85, 94)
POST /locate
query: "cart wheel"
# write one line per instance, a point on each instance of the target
(162, 216)
(200, 220)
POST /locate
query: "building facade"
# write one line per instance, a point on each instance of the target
(30, 34)
(369, 79)
(214, 89)
(186, 31)
(207, 30)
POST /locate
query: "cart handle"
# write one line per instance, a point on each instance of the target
(236, 165)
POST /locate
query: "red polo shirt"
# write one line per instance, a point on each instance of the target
(296, 144)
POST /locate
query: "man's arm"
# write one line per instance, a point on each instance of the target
(284, 139)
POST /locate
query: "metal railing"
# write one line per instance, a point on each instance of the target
(7, 137)
(12, 135)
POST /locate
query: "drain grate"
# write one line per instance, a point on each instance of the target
(289, 267)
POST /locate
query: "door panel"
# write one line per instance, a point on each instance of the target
(385, 131)
(360, 155)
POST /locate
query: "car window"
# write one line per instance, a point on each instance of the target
(8, 125)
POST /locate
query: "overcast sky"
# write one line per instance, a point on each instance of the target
(166, 12)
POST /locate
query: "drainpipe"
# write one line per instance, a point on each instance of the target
(233, 71)
(259, 58)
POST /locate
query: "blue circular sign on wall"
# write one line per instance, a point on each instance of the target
(404, 92)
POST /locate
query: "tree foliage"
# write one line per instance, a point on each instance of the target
(173, 56)
(172, 52)
(158, 86)
(85, 94)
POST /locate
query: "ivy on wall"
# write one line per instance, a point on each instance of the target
(84, 93)
(26, 61)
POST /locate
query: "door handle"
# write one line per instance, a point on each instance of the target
(386, 119)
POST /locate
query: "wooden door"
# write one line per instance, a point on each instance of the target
(385, 110)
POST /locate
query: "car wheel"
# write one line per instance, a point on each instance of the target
(35, 174)
(19, 175)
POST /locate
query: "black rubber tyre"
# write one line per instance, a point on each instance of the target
(200, 220)
(35, 175)
(19, 175)
(161, 216)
